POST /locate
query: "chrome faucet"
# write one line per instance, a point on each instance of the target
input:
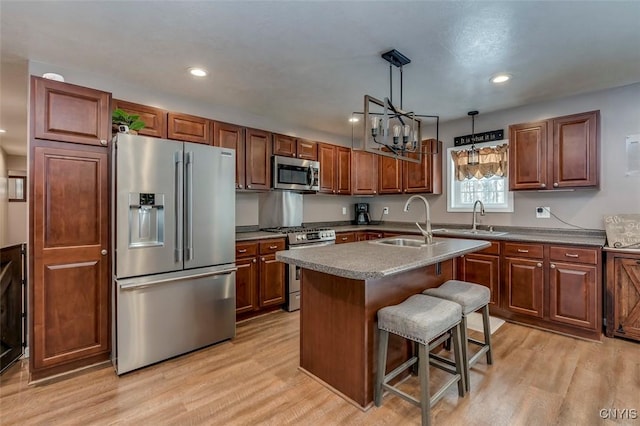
(426, 233)
(475, 222)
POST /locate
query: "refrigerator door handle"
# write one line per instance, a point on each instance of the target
(182, 278)
(189, 206)
(178, 190)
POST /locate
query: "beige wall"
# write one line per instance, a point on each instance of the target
(4, 204)
(17, 212)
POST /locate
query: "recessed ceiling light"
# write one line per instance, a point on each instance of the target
(354, 120)
(500, 78)
(3, 131)
(197, 72)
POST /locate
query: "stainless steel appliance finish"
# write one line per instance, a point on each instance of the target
(161, 316)
(174, 230)
(302, 238)
(280, 209)
(295, 174)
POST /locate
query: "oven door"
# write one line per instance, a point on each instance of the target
(293, 277)
(295, 174)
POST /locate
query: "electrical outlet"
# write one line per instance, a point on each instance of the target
(344, 210)
(385, 210)
(543, 212)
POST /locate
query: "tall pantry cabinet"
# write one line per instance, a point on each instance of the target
(69, 227)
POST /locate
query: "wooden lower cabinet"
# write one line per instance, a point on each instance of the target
(481, 269)
(69, 264)
(623, 295)
(345, 237)
(572, 294)
(524, 286)
(260, 279)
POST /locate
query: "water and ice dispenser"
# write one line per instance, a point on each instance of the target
(146, 220)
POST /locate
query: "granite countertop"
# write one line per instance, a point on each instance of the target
(370, 259)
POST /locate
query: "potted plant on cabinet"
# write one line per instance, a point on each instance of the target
(120, 117)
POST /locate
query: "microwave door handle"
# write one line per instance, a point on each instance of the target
(310, 176)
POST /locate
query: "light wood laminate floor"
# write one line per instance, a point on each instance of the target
(538, 378)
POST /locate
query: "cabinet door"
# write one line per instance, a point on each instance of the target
(362, 236)
(626, 303)
(231, 136)
(528, 161)
(155, 119)
(69, 113)
(575, 150)
(572, 294)
(188, 128)
(258, 159)
(271, 281)
(524, 286)
(482, 269)
(284, 145)
(307, 150)
(364, 169)
(246, 285)
(343, 174)
(70, 285)
(374, 235)
(328, 172)
(390, 175)
(425, 176)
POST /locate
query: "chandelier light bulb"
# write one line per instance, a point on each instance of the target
(375, 122)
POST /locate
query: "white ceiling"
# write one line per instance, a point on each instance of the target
(311, 62)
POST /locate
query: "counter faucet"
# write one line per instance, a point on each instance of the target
(426, 233)
(475, 222)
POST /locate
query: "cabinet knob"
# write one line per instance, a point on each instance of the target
(239, 186)
(248, 186)
(103, 142)
(553, 266)
(103, 252)
(539, 265)
(254, 261)
(542, 185)
(262, 259)
(334, 191)
(555, 184)
(375, 192)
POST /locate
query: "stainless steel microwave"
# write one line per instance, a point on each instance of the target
(295, 174)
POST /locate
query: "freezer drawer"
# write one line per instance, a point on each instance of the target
(165, 315)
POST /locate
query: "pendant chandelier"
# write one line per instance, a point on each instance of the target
(388, 129)
(473, 155)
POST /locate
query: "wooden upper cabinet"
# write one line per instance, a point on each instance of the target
(155, 119)
(328, 172)
(575, 150)
(188, 128)
(231, 136)
(70, 265)
(425, 176)
(562, 152)
(258, 159)
(364, 173)
(390, 175)
(343, 170)
(69, 113)
(289, 146)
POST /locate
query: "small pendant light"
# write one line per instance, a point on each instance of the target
(473, 155)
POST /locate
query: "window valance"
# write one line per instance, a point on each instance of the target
(493, 162)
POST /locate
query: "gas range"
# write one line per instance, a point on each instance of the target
(298, 235)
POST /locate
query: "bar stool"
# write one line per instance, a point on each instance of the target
(471, 297)
(420, 319)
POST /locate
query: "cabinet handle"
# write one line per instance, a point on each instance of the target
(254, 261)
(539, 265)
(103, 252)
(523, 251)
(553, 266)
(334, 191)
(344, 238)
(242, 250)
(248, 186)
(572, 255)
(273, 247)
(239, 186)
(103, 142)
(262, 259)
(555, 184)
(542, 185)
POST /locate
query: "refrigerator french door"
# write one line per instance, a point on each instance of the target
(174, 264)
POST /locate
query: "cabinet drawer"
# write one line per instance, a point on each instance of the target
(271, 246)
(246, 249)
(571, 254)
(494, 248)
(345, 237)
(523, 250)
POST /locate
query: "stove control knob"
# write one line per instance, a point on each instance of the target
(304, 236)
(298, 237)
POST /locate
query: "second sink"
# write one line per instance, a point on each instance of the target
(404, 242)
(469, 231)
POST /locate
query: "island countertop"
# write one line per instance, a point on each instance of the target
(371, 259)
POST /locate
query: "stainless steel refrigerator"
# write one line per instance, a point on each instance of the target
(174, 261)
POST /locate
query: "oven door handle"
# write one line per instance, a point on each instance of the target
(319, 244)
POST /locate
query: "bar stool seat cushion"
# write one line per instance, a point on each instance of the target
(470, 296)
(420, 318)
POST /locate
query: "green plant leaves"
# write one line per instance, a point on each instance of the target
(131, 120)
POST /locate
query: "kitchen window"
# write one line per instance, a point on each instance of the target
(487, 182)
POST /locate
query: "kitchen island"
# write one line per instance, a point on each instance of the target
(344, 286)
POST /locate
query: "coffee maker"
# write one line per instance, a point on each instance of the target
(362, 214)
